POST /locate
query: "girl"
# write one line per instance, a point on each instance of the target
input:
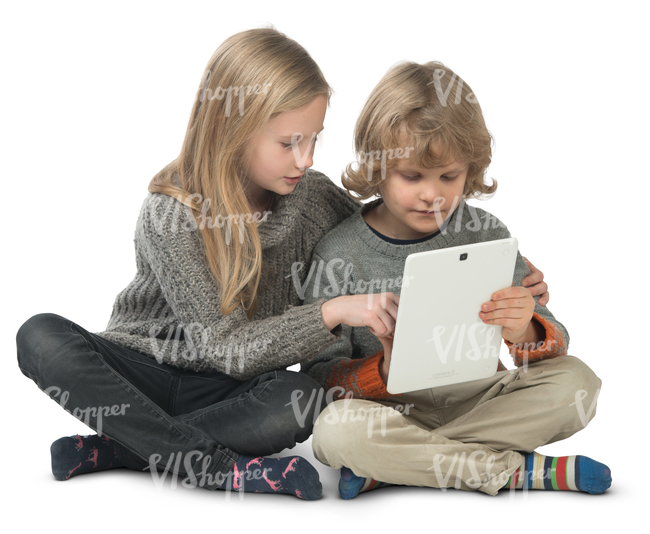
(423, 148)
(189, 375)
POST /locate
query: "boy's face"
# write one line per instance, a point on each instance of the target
(418, 200)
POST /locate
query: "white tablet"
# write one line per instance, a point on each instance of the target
(439, 337)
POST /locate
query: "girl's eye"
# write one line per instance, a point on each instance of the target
(410, 177)
(448, 178)
(290, 145)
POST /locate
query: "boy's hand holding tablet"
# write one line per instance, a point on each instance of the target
(513, 309)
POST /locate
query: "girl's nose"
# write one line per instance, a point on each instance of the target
(308, 161)
(304, 160)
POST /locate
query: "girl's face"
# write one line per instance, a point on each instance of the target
(283, 150)
(418, 200)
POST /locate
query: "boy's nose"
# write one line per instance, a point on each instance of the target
(431, 198)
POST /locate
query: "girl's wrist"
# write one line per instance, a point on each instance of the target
(329, 315)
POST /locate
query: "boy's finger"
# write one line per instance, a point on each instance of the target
(502, 312)
(514, 323)
(511, 292)
(513, 303)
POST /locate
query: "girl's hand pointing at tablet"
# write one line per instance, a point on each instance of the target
(377, 311)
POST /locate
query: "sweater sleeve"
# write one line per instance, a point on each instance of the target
(169, 242)
(334, 367)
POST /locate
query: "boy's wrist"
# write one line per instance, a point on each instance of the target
(534, 333)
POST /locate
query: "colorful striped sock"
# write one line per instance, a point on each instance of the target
(350, 485)
(569, 473)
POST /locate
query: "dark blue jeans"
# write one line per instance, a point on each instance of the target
(160, 412)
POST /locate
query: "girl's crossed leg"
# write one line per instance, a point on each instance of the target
(161, 417)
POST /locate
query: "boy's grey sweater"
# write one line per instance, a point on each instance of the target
(353, 248)
(171, 309)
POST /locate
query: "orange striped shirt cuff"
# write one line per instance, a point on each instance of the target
(553, 345)
(361, 377)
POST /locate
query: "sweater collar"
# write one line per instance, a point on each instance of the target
(285, 213)
(444, 239)
(284, 216)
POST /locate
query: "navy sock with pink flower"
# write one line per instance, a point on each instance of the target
(292, 475)
(77, 455)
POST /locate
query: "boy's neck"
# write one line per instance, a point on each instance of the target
(375, 217)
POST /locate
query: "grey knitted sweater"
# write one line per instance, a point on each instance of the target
(171, 309)
(362, 262)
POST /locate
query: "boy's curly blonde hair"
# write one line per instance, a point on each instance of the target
(426, 113)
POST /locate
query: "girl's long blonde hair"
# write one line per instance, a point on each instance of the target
(277, 75)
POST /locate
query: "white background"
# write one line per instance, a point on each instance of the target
(95, 100)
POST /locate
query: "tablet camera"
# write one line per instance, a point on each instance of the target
(463, 256)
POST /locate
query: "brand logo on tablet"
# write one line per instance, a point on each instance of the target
(443, 374)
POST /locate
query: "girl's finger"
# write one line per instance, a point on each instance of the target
(535, 275)
(543, 300)
(538, 289)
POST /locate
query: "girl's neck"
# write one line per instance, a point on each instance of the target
(262, 203)
(259, 199)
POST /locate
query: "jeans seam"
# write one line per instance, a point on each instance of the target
(234, 401)
(133, 360)
(173, 390)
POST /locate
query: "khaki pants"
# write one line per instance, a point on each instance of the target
(465, 436)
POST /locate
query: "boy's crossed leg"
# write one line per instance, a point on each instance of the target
(469, 437)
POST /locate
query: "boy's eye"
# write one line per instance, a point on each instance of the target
(448, 178)
(411, 177)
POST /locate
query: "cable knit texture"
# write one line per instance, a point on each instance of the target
(361, 377)
(171, 309)
(353, 259)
